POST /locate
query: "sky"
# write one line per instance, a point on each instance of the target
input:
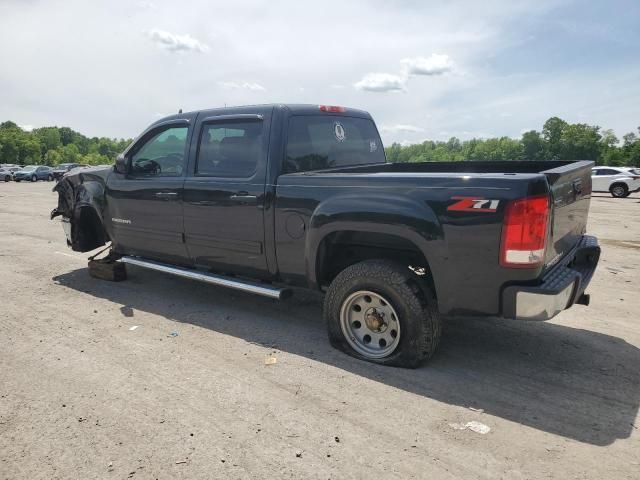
(424, 69)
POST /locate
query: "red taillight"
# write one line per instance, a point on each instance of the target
(524, 232)
(331, 108)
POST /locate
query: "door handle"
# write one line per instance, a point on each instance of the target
(166, 195)
(244, 197)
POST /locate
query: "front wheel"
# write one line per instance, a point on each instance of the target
(50, 178)
(379, 311)
(7, 178)
(34, 178)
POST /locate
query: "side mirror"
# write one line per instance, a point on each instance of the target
(122, 164)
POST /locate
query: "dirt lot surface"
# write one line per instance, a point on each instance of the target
(187, 394)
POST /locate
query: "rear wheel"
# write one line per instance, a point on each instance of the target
(619, 190)
(50, 178)
(34, 178)
(7, 178)
(378, 311)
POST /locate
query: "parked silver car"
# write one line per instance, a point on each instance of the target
(6, 173)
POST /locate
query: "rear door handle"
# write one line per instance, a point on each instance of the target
(244, 197)
(166, 195)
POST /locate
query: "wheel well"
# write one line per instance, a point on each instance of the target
(624, 184)
(88, 232)
(340, 250)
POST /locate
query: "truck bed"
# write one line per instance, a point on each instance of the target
(412, 191)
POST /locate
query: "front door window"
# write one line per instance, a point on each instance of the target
(161, 155)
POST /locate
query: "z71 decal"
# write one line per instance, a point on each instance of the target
(473, 204)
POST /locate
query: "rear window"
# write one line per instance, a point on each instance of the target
(316, 142)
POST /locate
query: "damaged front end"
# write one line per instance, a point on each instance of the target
(81, 201)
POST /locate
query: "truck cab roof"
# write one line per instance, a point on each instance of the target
(292, 108)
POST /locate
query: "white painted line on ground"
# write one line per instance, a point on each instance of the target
(70, 255)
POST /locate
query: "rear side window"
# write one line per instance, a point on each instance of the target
(607, 171)
(229, 149)
(316, 142)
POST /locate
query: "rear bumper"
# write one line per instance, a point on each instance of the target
(560, 288)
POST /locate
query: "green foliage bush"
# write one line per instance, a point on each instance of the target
(558, 140)
(55, 145)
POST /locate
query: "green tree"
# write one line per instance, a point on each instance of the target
(580, 141)
(552, 133)
(70, 153)
(49, 139)
(29, 152)
(533, 145)
(53, 157)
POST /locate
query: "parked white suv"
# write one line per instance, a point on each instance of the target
(619, 181)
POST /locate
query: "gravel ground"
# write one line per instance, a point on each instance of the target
(159, 377)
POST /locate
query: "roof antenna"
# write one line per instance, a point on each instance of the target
(180, 111)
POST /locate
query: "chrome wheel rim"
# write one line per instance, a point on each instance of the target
(370, 324)
(618, 191)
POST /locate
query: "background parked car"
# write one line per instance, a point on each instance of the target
(63, 168)
(6, 173)
(619, 181)
(34, 173)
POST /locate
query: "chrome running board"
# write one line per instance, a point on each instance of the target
(245, 286)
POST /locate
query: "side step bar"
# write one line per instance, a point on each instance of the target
(245, 286)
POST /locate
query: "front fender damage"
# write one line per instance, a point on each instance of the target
(81, 205)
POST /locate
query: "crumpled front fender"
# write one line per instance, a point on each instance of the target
(81, 200)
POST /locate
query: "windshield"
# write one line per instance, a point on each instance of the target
(28, 168)
(635, 171)
(326, 141)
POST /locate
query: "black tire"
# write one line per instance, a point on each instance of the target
(415, 304)
(17, 181)
(7, 178)
(34, 178)
(619, 190)
(50, 178)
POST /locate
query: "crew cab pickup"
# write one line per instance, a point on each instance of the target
(265, 198)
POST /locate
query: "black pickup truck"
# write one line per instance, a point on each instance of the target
(264, 198)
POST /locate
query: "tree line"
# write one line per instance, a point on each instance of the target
(558, 140)
(55, 145)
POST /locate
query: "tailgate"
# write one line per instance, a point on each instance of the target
(570, 187)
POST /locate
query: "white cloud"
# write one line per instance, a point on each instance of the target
(176, 43)
(145, 4)
(382, 82)
(401, 128)
(255, 87)
(436, 64)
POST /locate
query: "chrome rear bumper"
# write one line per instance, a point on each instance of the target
(559, 289)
